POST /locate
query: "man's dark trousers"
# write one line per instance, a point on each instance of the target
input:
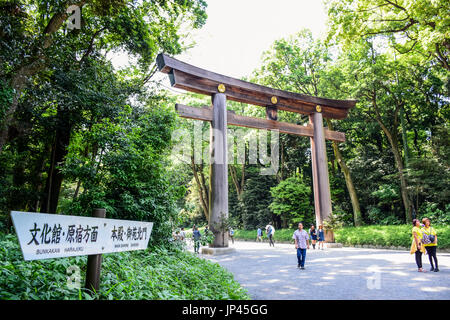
(301, 256)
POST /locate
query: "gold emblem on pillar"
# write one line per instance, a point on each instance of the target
(221, 88)
(274, 100)
(318, 108)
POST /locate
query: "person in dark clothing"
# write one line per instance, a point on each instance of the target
(196, 235)
(313, 236)
(321, 236)
(270, 230)
(430, 243)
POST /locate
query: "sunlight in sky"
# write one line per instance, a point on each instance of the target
(237, 32)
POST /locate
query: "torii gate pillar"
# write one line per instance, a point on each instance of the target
(322, 196)
(218, 176)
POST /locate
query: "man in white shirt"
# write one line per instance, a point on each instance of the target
(301, 243)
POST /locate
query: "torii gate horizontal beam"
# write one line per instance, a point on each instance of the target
(205, 114)
(188, 77)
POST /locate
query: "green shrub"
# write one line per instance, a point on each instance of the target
(291, 201)
(393, 235)
(438, 216)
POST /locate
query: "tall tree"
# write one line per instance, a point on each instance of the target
(32, 33)
(385, 85)
(411, 26)
(299, 64)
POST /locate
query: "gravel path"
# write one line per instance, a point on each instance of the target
(271, 273)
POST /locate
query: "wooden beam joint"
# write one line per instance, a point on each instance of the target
(205, 114)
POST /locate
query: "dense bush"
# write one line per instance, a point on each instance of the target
(256, 199)
(377, 217)
(291, 201)
(431, 211)
(156, 274)
(398, 235)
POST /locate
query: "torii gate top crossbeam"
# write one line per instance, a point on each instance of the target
(188, 77)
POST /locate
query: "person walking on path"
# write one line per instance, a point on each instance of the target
(270, 230)
(259, 235)
(301, 239)
(417, 247)
(321, 236)
(231, 233)
(313, 236)
(429, 239)
(196, 235)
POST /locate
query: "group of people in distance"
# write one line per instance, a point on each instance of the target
(180, 235)
(270, 231)
(424, 241)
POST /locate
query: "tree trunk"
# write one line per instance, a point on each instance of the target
(403, 183)
(393, 141)
(238, 184)
(59, 151)
(202, 191)
(404, 137)
(357, 217)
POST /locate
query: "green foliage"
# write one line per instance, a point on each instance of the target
(223, 225)
(332, 222)
(432, 212)
(409, 25)
(157, 274)
(291, 201)
(132, 182)
(256, 199)
(294, 64)
(376, 216)
(99, 135)
(344, 217)
(398, 235)
(206, 238)
(430, 175)
(6, 96)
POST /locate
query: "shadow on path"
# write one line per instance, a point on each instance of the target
(342, 273)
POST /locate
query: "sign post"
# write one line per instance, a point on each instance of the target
(94, 262)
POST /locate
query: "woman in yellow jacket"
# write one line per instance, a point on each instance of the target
(417, 247)
(430, 243)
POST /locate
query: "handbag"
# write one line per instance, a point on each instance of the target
(414, 247)
(428, 238)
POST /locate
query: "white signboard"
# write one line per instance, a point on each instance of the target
(44, 236)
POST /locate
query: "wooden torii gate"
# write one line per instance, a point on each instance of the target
(221, 88)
